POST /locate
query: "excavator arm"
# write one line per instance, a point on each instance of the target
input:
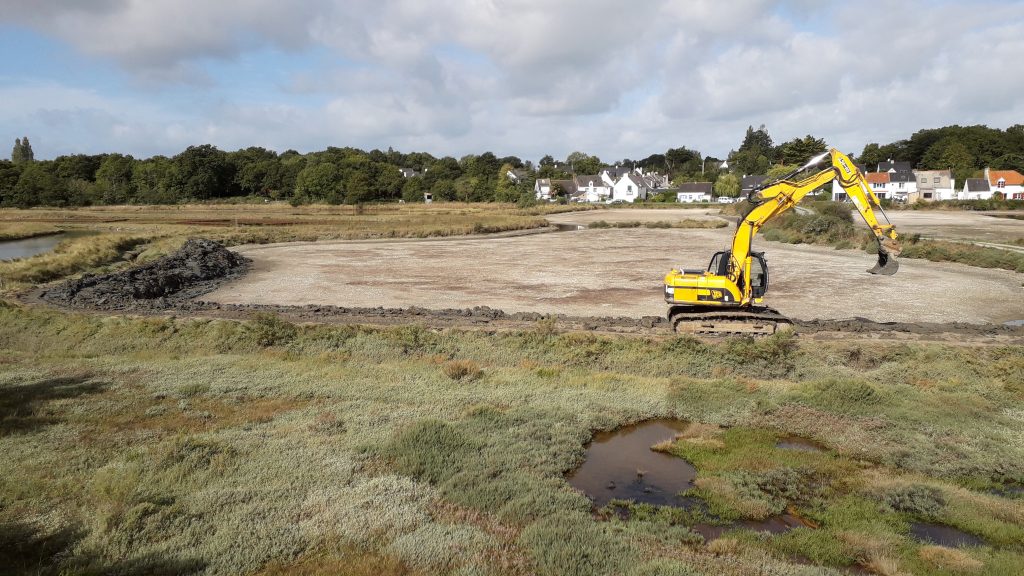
(784, 194)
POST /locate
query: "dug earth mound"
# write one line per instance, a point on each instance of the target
(195, 269)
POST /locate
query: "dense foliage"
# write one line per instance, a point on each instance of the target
(353, 176)
(201, 173)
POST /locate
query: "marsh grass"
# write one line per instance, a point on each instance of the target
(22, 230)
(194, 443)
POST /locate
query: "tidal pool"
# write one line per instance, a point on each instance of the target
(943, 535)
(621, 465)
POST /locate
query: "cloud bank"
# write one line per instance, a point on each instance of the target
(524, 77)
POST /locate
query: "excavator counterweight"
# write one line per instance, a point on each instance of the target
(727, 297)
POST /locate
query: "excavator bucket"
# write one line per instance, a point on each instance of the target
(887, 264)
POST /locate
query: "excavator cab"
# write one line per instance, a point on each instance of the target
(719, 266)
(758, 275)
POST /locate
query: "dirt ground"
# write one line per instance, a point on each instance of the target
(992, 227)
(614, 272)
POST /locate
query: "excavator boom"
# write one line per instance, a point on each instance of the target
(737, 278)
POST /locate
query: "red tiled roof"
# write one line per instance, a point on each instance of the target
(1011, 177)
(877, 177)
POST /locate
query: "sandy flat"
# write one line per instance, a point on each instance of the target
(610, 272)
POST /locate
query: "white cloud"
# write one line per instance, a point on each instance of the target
(528, 77)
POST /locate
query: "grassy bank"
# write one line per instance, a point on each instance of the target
(22, 230)
(143, 446)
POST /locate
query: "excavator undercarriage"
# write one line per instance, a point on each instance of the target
(753, 321)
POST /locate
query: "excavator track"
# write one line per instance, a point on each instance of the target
(753, 322)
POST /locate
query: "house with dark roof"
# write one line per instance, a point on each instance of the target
(408, 172)
(612, 174)
(548, 189)
(694, 192)
(750, 182)
(976, 189)
(591, 188)
(891, 165)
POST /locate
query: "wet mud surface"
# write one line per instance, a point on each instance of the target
(197, 268)
(943, 535)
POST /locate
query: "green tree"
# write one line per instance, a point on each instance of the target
(151, 181)
(958, 159)
(505, 190)
(320, 182)
(201, 173)
(780, 170)
(727, 185)
(412, 190)
(114, 179)
(22, 152)
(800, 150)
(582, 163)
(26, 150)
(39, 186)
(9, 175)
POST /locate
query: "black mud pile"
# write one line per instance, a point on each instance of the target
(196, 269)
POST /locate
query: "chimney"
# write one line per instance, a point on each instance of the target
(986, 175)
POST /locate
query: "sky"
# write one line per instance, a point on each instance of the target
(515, 77)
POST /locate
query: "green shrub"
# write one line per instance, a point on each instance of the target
(270, 330)
(921, 501)
(575, 545)
(842, 395)
(430, 450)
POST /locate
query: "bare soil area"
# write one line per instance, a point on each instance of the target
(958, 225)
(613, 272)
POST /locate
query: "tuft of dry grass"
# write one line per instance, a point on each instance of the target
(949, 559)
(724, 546)
(462, 370)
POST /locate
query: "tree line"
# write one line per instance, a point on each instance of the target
(350, 175)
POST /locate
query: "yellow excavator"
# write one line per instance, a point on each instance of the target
(727, 297)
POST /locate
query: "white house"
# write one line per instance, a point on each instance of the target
(1009, 183)
(591, 188)
(694, 192)
(891, 185)
(542, 188)
(976, 189)
(612, 174)
(630, 188)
